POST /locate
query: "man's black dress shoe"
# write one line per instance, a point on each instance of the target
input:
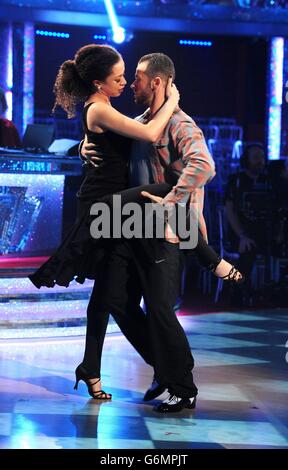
(154, 391)
(175, 404)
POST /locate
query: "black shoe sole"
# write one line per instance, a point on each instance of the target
(165, 408)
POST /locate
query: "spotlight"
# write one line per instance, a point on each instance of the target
(119, 35)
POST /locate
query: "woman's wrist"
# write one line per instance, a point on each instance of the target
(173, 100)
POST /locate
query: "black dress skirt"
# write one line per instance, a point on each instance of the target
(79, 254)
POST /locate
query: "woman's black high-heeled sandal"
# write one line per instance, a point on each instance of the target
(82, 375)
(232, 276)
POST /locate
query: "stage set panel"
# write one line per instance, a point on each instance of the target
(31, 202)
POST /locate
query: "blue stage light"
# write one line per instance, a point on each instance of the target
(118, 33)
(275, 98)
(190, 42)
(53, 34)
(102, 37)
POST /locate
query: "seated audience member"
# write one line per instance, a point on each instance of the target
(278, 172)
(9, 136)
(249, 209)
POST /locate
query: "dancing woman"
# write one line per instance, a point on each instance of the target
(95, 76)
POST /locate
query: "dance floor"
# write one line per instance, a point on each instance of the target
(240, 369)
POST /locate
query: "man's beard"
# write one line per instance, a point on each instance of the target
(145, 98)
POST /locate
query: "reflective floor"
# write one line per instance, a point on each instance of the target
(241, 372)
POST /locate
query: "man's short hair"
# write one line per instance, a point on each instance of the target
(159, 65)
(244, 158)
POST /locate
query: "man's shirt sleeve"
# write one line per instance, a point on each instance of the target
(199, 167)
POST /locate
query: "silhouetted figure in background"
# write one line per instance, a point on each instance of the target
(9, 136)
(278, 173)
(248, 205)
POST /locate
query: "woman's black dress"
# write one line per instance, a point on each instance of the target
(78, 255)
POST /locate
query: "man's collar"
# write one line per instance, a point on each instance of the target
(146, 114)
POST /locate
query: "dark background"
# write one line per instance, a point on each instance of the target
(227, 79)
